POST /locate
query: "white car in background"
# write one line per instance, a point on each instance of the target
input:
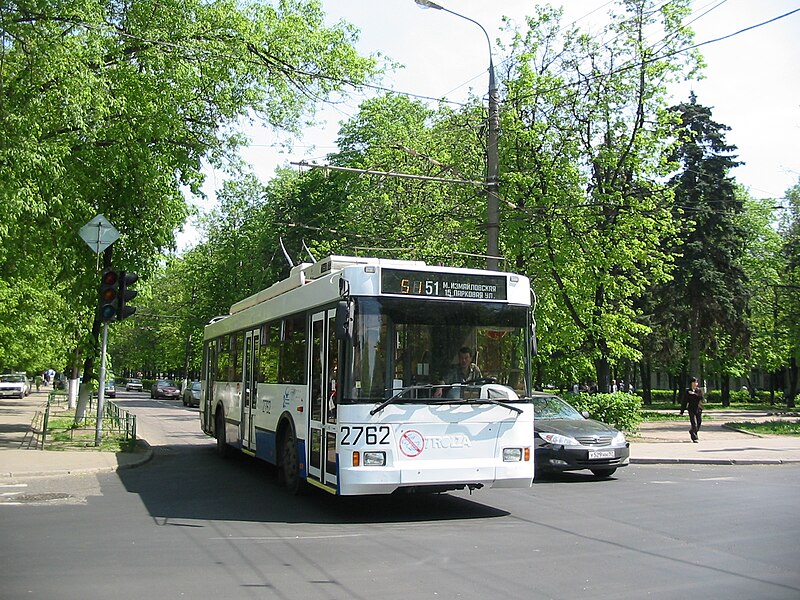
(191, 395)
(14, 384)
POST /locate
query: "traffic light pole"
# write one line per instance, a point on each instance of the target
(98, 432)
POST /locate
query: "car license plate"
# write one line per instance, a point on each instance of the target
(601, 454)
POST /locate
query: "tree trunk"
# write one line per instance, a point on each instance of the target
(603, 374)
(725, 388)
(647, 392)
(792, 383)
(88, 366)
(772, 377)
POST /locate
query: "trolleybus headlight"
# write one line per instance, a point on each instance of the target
(512, 454)
(374, 459)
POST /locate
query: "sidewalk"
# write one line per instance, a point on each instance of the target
(20, 457)
(656, 442)
(668, 442)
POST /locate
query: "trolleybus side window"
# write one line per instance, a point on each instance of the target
(236, 358)
(270, 346)
(317, 387)
(291, 368)
(223, 360)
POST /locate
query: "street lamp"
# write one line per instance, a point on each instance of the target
(492, 183)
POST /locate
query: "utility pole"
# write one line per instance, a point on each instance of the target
(492, 157)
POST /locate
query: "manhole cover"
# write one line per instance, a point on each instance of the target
(41, 497)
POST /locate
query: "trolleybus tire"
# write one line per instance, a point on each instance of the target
(290, 465)
(223, 449)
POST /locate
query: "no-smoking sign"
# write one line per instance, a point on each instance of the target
(412, 443)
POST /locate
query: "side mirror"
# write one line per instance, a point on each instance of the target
(585, 414)
(344, 320)
(534, 344)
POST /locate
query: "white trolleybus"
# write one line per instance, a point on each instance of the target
(345, 376)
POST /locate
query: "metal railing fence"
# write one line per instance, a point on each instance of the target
(115, 419)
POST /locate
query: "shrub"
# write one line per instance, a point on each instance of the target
(715, 397)
(622, 410)
(663, 396)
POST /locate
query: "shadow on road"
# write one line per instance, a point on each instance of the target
(191, 482)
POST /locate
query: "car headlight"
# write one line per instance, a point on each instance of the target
(619, 439)
(558, 440)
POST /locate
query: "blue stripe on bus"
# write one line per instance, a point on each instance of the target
(266, 449)
(266, 446)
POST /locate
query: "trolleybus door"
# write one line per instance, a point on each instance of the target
(322, 416)
(207, 395)
(249, 395)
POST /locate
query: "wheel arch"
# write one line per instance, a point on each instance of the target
(285, 427)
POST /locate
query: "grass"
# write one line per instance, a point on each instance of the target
(62, 434)
(718, 406)
(659, 416)
(769, 427)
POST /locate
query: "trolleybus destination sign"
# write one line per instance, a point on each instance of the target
(443, 285)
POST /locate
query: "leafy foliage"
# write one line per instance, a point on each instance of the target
(619, 409)
(113, 108)
(622, 211)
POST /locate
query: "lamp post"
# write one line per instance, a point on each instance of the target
(492, 160)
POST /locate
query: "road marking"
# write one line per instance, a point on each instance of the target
(13, 485)
(285, 537)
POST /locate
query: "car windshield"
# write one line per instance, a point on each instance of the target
(553, 407)
(196, 386)
(11, 378)
(110, 383)
(166, 383)
(134, 381)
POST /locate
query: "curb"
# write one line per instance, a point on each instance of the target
(146, 457)
(713, 461)
(737, 430)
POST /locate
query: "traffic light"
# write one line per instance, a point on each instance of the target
(125, 280)
(109, 296)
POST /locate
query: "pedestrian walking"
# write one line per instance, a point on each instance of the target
(693, 402)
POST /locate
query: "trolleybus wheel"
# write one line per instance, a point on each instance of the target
(290, 465)
(219, 430)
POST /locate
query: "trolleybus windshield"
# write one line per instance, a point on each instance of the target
(403, 342)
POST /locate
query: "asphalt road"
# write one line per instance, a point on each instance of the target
(191, 525)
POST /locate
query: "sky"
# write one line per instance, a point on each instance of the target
(752, 80)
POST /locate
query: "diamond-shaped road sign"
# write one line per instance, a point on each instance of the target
(99, 234)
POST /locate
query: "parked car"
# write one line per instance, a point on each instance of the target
(191, 395)
(165, 388)
(110, 391)
(134, 385)
(14, 384)
(568, 440)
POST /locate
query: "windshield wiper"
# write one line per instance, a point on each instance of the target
(444, 399)
(517, 409)
(395, 398)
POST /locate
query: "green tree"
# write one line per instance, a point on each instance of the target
(764, 265)
(113, 108)
(584, 124)
(709, 293)
(789, 288)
